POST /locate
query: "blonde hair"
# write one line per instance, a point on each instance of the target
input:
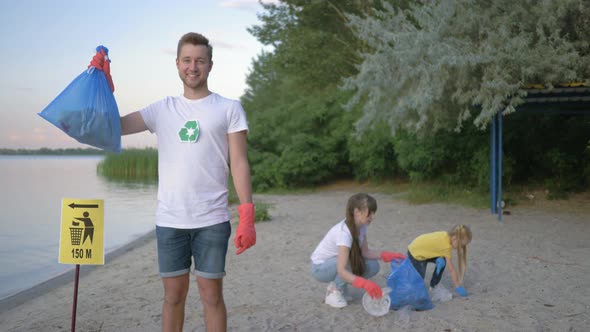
(461, 232)
(363, 202)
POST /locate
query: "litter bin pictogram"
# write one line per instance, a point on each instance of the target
(76, 234)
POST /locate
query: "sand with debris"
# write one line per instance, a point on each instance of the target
(529, 272)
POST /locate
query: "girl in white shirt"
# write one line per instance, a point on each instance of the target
(343, 256)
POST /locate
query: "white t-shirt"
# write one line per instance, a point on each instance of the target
(193, 157)
(338, 235)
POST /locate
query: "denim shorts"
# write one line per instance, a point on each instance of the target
(207, 246)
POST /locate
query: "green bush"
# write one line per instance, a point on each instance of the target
(262, 213)
(372, 155)
(422, 158)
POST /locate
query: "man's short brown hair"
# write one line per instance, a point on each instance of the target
(194, 38)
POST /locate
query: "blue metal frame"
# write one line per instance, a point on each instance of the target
(499, 176)
(496, 166)
(493, 181)
(573, 98)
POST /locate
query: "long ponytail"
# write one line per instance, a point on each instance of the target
(363, 202)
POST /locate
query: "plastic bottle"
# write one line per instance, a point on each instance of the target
(404, 315)
(441, 294)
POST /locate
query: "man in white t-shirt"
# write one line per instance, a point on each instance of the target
(198, 133)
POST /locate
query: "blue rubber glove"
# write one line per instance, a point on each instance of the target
(440, 264)
(461, 290)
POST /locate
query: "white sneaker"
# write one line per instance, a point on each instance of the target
(334, 297)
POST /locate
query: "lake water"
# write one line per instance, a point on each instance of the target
(31, 192)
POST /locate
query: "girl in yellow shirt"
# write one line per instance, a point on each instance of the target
(437, 248)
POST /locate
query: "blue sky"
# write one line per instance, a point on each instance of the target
(46, 44)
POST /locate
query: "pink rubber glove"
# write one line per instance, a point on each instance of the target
(372, 288)
(246, 233)
(388, 256)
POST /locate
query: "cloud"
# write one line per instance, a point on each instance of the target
(169, 51)
(37, 137)
(217, 44)
(226, 45)
(244, 4)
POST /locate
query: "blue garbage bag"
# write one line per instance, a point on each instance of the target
(87, 111)
(407, 287)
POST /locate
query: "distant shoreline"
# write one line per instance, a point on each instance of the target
(68, 276)
(51, 152)
(58, 152)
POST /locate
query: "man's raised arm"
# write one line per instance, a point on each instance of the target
(132, 123)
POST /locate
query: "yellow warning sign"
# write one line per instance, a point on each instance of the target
(82, 232)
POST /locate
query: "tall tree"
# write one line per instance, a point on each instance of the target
(299, 128)
(439, 63)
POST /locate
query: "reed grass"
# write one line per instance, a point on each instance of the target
(140, 165)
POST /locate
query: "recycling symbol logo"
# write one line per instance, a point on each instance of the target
(189, 132)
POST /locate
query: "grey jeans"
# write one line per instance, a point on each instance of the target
(327, 271)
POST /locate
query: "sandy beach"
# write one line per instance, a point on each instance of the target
(530, 272)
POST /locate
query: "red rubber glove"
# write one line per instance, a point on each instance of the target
(388, 256)
(246, 233)
(372, 288)
(98, 62)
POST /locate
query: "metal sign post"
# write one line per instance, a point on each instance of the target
(82, 238)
